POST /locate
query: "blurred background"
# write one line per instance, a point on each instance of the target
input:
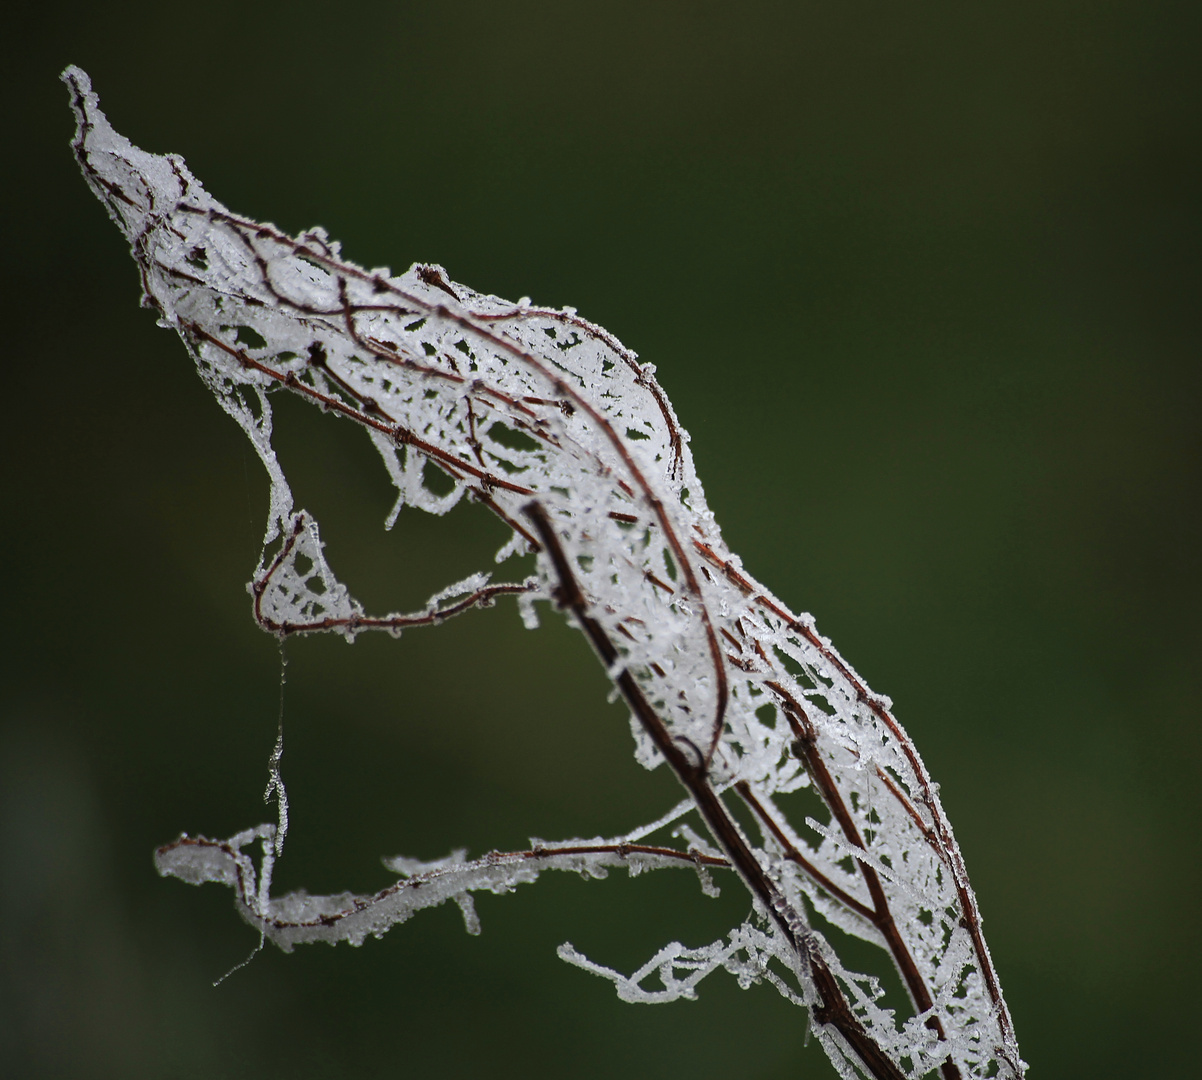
(922, 282)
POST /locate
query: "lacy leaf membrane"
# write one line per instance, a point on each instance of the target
(559, 430)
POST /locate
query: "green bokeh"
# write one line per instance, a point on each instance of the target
(922, 282)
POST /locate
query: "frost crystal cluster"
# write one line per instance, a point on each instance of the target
(554, 426)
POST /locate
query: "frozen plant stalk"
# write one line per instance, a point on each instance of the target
(554, 426)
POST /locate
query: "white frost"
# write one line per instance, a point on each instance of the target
(513, 405)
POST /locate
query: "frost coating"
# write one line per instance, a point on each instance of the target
(557, 428)
(299, 918)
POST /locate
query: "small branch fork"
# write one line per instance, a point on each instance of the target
(693, 772)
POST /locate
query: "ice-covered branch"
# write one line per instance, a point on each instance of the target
(301, 919)
(562, 433)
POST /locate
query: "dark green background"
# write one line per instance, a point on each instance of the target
(921, 279)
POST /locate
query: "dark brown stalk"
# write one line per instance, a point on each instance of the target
(879, 914)
(693, 772)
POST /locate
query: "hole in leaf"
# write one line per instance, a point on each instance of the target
(790, 665)
(511, 439)
(435, 480)
(821, 704)
(250, 337)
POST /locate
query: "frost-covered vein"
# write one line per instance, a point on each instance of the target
(402, 436)
(346, 618)
(298, 918)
